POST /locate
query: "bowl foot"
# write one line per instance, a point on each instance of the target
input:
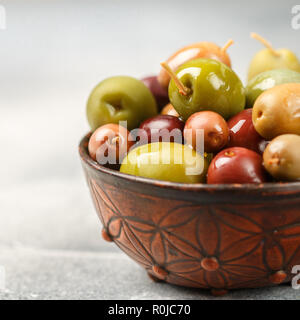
(106, 236)
(153, 278)
(278, 277)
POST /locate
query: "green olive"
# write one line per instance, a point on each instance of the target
(267, 80)
(120, 99)
(166, 161)
(212, 85)
(277, 111)
(282, 157)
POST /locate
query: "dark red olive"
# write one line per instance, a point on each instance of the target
(236, 165)
(109, 144)
(243, 134)
(161, 128)
(215, 131)
(160, 94)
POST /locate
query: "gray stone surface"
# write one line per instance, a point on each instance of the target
(54, 274)
(52, 53)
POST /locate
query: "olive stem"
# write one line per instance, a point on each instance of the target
(266, 43)
(229, 154)
(275, 161)
(227, 45)
(181, 87)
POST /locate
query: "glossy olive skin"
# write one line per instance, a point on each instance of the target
(109, 144)
(160, 94)
(267, 80)
(120, 98)
(236, 165)
(169, 110)
(282, 157)
(243, 134)
(215, 131)
(161, 128)
(166, 161)
(265, 60)
(214, 87)
(198, 50)
(277, 111)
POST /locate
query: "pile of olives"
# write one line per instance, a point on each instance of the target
(195, 122)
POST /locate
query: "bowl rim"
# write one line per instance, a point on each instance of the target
(263, 187)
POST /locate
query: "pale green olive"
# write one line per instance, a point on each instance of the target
(277, 111)
(267, 80)
(266, 59)
(282, 157)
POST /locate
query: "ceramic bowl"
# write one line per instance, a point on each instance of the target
(216, 237)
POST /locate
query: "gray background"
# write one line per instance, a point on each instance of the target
(51, 55)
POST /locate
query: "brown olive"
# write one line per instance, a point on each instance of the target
(110, 143)
(282, 157)
(204, 49)
(277, 111)
(169, 110)
(215, 130)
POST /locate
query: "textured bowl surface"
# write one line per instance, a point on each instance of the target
(204, 236)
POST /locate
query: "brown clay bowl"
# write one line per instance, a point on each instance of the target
(204, 236)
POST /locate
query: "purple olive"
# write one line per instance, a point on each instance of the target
(161, 128)
(243, 134)
(160, 94)
(236, 165)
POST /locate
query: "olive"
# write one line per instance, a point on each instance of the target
(267, 80)
(160, 94)
(266, 60)
(166, 161)
(120, 99)
(161, 128)
(282, 157)
(236, 165)
(194, 51)
(270, 59)
(169, 110)
(215, 131)
(277, 111)
(109, 144)
(207, 85)
(243, 134)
